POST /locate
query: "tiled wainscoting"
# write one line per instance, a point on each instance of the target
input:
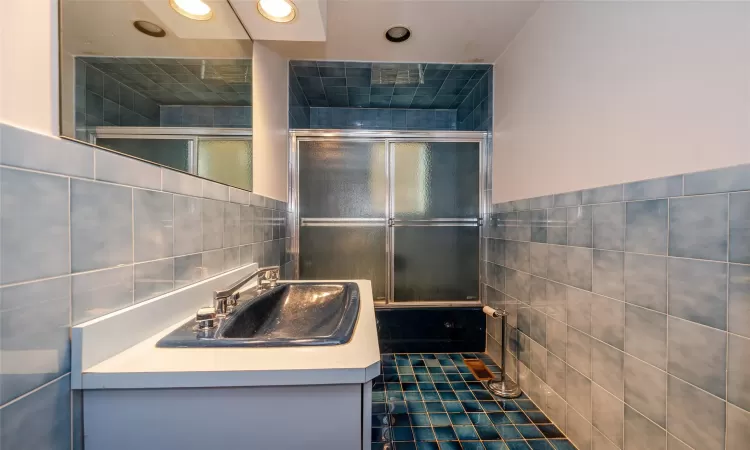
(432, 401)
(630, 309)
(85, 232)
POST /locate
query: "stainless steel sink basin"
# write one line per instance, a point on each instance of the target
(291, 314)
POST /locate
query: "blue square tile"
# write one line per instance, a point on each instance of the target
(453, 407)
(459, 418)
(517, 445)
(537, 417)
(435, 407)
(423, 434)
(508, 432)
(646, 227)
(518, 418)
(487, 432)
(439, 419)
(539, 444)
(472, 406)
(402, 434)
(697, 291)
(729, 179)
(427, 446)
(739, 227)
(415, 407)
(472, 445)
(551, 431)
(444, 433)
(529, 431)
(479, 419)
(466, 433)
(562, 444)
(465, 395)
(419, 420)
(405, 446)
(449, 445)
(495, 445)
(447, 396)
(698, 227)
(499, 418)
(655, 188)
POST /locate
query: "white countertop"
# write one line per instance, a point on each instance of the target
(143, 365)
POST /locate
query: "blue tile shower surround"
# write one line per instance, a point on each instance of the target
(70, 231)
(475, 111)
(341, 84)
(175, 81)
(299, 107)
(629, 309)
(429, 401)
(382, 119)
(429, 330)
(102, 100)
(206, 116)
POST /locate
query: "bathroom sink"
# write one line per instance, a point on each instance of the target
(288, 315)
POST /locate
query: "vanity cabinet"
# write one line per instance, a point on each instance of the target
(320, 417)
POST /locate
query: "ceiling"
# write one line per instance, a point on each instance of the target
(448, 31)
(105, 28)
(385, 85)
(225, 82)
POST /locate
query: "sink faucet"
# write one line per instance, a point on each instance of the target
(267, 278)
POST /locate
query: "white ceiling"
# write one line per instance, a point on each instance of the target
(449, 31)
(105, 28)
(309, 25)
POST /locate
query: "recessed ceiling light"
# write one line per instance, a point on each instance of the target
(192, 9)
(150, 29)
(399, 33)
(281, 11)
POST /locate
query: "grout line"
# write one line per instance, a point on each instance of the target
(33, 391)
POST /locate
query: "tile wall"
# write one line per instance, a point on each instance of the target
(84, 232)
(299, 107)
(629, 308)
(383, 119)
(475, 111)
(206, 116)
(100, 100)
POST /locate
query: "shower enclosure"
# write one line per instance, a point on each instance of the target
(402, 209)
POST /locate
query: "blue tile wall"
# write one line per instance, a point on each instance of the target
(629, 308)
(340, 84)
(299, 108)
(475, 111)
(382, 119)
(206, 116)
(58, 261)
(100, 100)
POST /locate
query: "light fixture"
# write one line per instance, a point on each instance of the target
(398, 33)
(150, 29)
(192, 9)
(281, 11)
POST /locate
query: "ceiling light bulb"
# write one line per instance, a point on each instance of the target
(277, 10)
(192, 9)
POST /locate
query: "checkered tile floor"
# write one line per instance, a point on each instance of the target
(433, 402)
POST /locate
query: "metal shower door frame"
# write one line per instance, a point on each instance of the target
(388, 138)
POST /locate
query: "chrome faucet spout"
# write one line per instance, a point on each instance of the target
(267, 278)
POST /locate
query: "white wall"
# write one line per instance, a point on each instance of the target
(591, 94)
(270, 122)
(29, 65)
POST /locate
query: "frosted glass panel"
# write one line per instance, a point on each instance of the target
(344, 179)
(227, 161)
(344, 253)
(174, 153)
(438, 263)
(436, 180)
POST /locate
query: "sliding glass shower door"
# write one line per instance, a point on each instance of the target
(402, 213)
(435, 221)
(342, 209)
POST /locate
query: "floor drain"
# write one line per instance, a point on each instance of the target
(479, 369)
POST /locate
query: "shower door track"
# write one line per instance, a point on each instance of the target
(387, 137)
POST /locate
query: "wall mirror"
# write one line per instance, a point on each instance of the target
(148, 79)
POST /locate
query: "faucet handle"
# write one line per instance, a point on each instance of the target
(206, 318)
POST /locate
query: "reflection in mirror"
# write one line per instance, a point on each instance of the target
(139, 78)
